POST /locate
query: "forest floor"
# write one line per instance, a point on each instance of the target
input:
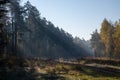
(38, 69)
(79, 70)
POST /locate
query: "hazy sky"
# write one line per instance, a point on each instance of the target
(78, 17)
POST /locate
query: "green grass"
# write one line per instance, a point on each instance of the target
(45, 70)
(88, 75)
(72, 72)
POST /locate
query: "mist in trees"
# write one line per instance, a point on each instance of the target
(106, 43)
(38, 37)
(97, 45)
(85, 44)
(28, 34)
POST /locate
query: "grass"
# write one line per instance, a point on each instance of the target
(88, 75)
(51, 70)
(71, 72)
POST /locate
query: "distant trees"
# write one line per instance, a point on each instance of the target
(108, 38)
(85, 44)
(96, 44)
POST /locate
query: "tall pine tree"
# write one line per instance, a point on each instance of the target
(106, 34)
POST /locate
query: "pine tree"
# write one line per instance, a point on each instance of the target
(97, 45)
(106, 34)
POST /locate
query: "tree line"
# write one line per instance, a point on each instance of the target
(30, 35)
(49, 41)
(106, 43)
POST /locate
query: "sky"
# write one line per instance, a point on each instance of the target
(78, 17)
